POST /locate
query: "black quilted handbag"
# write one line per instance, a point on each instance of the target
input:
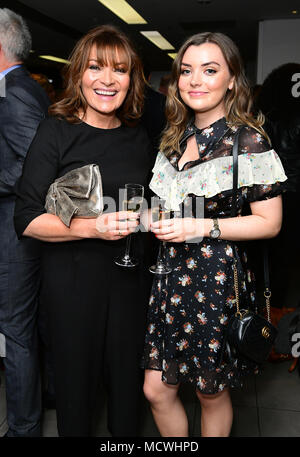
(249, 333)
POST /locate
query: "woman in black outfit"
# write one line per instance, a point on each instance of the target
(95, 310)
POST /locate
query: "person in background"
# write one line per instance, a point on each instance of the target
(164, 84)
(23, 104)
(153, 117)
(95, 310)
(208, 100)
(46, 85)
(279, 100)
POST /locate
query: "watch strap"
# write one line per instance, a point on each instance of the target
(216, 224)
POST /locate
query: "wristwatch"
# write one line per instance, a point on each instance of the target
(215, 231)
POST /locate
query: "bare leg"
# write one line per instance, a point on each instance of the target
(166, 406)
(216, 414)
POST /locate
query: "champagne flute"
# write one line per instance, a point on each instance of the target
(133, 201)
(159, 213)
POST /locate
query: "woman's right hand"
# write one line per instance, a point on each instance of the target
(115, 226)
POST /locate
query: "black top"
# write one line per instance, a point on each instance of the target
(123, 155)
(94, 311)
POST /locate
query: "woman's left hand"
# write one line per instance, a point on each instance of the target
(178, 230)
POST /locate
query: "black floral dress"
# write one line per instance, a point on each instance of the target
(189, 310)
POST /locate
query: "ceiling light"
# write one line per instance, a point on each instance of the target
(156, 38)
(124, 11)
(172, 55)
(55, 59)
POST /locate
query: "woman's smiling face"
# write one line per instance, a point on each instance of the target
(204, 80)
(104, 87)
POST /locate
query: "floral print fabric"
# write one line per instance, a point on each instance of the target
(211, 178)
(211, 174)
(189, 310)
(188, 313)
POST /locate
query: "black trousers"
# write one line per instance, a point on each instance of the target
(96, 313)
(19, 283)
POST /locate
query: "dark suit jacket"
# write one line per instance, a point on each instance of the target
(22, 108)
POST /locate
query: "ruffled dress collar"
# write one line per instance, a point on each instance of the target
(210, 175)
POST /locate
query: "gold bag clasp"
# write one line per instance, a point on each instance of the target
(265, 332)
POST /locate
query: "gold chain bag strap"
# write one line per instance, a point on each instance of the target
(267, 293)
(248, 333)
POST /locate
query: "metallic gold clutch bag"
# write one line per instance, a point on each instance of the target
(76, 194)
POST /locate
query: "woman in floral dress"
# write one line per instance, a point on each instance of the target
(208, 100)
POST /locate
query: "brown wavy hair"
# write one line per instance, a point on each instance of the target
(110, 43)
(238, 101)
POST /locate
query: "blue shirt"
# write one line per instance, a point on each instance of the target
(4, 72)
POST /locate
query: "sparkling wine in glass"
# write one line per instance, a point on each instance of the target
(132, 202)
(159, 213)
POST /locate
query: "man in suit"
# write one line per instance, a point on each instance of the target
(23, 104)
